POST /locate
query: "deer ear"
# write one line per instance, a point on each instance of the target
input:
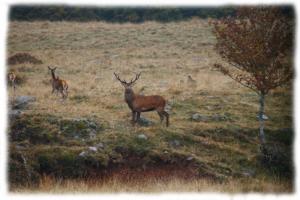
(49, 68)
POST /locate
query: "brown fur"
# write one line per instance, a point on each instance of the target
(140, 103)
(58, 85)
(12, 79)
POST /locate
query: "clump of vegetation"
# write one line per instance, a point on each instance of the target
(20, 58)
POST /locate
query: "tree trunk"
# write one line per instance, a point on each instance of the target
(261, 120)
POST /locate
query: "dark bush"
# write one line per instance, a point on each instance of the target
(20, 58)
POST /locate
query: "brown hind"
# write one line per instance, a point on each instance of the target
(58, 84)
(12, 79)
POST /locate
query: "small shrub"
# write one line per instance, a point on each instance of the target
(79, 98)
(20, 58)
(277, 160)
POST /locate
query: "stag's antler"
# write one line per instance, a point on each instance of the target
(117, 77)
(137, 76)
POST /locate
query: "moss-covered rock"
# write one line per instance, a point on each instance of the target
(35, 128)
(67, 163)
(79, 128)
(48, 129)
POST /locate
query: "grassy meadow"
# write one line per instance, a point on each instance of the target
(219, 155)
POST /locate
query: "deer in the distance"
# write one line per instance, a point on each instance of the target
(140, 103)
(12, 79)
(58, 85)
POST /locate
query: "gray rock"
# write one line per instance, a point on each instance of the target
(22, 101)
(190, 158)
(209, 108)
(175, 143)
(83, 154)
(79, 128)
(100, 145)
(199, 118)
(213, 107)
(92, 135)
(14, 114)
(248, 173)
(217, 117)
(144, 122)
(142, 137)
(163, 83)
(265, 117)
(93, 149)
(20, 147)
(205, 118)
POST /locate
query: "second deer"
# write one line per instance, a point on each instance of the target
(58, 85)
(140, 103)
(12, 79)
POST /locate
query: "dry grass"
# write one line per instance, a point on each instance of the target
(87, 54)
(156, 185)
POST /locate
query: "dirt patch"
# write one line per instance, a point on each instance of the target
(20, 58)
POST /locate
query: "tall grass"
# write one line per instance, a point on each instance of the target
(116, 184)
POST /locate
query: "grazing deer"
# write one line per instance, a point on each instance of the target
(140, 103)
(12, 79)
(58, 84)
(191, 82)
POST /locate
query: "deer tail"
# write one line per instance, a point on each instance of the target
(167, 107)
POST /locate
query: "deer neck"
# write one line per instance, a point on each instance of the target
(129, 97)
(53, 75)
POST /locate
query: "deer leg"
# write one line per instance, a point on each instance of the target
(14, 86)
(161, 116)
(138, 116)
(167, 116)
(61, 91)
(66, 92)
(133, 117)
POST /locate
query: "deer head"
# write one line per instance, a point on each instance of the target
(129, 94)
(128, 85)
(52, 70)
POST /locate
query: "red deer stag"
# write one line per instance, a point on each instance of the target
(12, 79)
(58, 84)
(139, 103)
